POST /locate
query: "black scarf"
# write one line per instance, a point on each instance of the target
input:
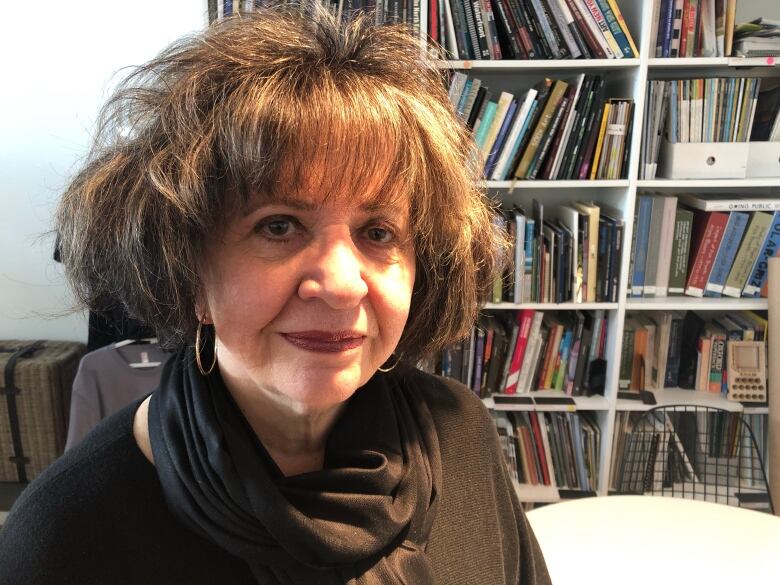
(364, 519)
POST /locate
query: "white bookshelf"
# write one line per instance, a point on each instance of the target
(625, 78)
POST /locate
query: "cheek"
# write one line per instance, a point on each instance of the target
(393, 296)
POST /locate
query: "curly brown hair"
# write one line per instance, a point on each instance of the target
(247, 106)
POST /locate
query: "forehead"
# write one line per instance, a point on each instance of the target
(347, 189)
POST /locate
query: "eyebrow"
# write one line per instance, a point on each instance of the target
(373, 205)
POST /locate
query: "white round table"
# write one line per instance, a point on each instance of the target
(634, 540)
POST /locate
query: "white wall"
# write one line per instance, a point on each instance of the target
(750, 9)
(58, 63)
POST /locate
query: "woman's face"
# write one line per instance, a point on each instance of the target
(308, 298)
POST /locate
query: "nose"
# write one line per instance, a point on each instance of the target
(333, 272)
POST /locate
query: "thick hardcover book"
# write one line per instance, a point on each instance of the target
(760, 270)
(748, 252)
(683, 223)
(726, 253)
(708, 231)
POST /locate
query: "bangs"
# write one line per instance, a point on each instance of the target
(350, 143)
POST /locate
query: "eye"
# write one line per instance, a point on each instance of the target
(277, 227)
(380, 235)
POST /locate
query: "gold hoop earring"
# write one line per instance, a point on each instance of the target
(197, 351)
(385, 370)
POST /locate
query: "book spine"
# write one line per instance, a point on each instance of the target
(680, 251)
(525, 28)
(748, 252)
(473, 33)
(498, 145)
(575, 33)
(704, 255)
(546, 29)
(726, 254)
(489, 19)
(560, 20)
(615, 29)
(653, 247)
(603, 25)
(626, 360)
(624, 26)
(760, 268)
(549, 135)
(460, 25)
(525, 318)
(587, 34)
(480, 28)
(666, 27)
(506, 22)
(673, 355)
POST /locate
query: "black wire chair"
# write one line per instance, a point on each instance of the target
(695, 452)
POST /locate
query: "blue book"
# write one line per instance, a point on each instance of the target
(464, 97)
(642, 237)
(667, 26)
(498, 146)
(732, 236)
(484, 124)
(560, 374)
(615, 28)
(228, 7)
(729, 106)
(760, 270)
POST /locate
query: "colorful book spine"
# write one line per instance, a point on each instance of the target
(748, 252)
(524, 319)
(760, 271)
(727, 252)
(708, 232)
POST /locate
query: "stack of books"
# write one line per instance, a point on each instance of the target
(693, 28)
(683, 350)
(714, 245)
(758, 38)
(521, 351)
(555, 130)
(530, 29)
(696, 110)
(555, 449)
(571, 255)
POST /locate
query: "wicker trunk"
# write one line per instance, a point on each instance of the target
(35, 382)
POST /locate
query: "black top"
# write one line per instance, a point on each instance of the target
(98, 516)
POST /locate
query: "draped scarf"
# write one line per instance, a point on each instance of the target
(364, 519)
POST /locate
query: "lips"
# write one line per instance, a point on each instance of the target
(325, 341)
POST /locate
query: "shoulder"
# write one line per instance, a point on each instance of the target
(453, 405)
(77, 506)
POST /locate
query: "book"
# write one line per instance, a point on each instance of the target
(707, 233)
(548, 113)
(725, 202)
(760, 270)
(727, 252)
(749, 250)
(678, 270)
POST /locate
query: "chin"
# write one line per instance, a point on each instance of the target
(316, 389)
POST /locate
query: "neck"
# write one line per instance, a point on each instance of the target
(294, 438)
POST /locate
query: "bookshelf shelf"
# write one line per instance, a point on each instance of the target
(714, 62)
(595, 402)
(708, 183)
(595, 184)
(697, 304)
(670, 396)
(553, 306)
(543, 64)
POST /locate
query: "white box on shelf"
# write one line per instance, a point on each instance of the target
(763, 159)
(703, 160)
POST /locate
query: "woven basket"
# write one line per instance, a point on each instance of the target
(44, 379)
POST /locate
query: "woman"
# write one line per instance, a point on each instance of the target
(291, 201)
